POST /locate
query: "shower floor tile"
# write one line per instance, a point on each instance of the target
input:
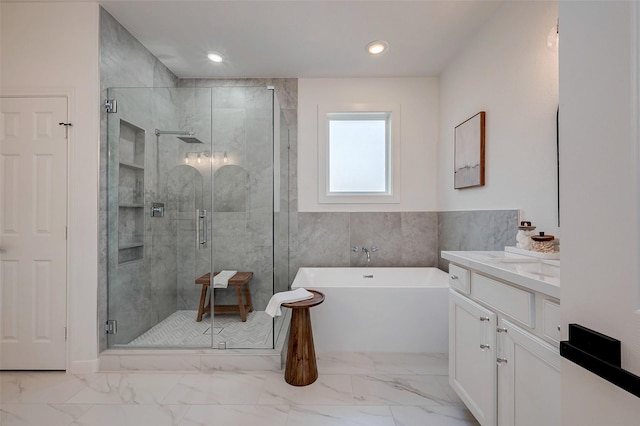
(180, 329)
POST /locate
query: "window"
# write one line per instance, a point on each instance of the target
(358, 155)
(358, 145)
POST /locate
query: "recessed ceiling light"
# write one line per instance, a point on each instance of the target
(377, 47)
(215, 57)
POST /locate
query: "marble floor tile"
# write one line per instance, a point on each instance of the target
(371, 389)
(40, 414)
(345, 363)
(271, 415)
(328, 389)
(402, 390)
(218, 388)
(432, 416)
(38, 387)
(132, 415)
(322, 415)
(124, 388)
(408, 363)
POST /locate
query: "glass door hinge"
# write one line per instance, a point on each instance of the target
(111, 327)
(110, 105)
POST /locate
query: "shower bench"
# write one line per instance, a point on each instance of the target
(241, 283)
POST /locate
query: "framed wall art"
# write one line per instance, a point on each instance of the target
(469, 152)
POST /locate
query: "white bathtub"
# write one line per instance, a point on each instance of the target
(378, 309)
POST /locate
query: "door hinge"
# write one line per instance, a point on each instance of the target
(110, 105)
(66, 232)
(111, 327)
(66, 128)
(65, 334)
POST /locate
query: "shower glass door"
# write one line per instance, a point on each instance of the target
(159, 216)
(197, 184)
(243, 210)
(281, 280)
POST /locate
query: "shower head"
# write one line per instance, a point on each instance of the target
(187, 137)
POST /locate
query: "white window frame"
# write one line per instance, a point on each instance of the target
(360, 111)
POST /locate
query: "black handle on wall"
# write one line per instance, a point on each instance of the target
(599, 354)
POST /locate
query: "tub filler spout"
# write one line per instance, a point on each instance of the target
(368, 252)
(364, 249)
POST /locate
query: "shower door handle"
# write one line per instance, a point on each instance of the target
(201, 237)
(203, 240)
(198, 228)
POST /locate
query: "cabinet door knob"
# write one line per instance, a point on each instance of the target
(454, 277)
(501, 361)
(501, 330)
(485, 319)
(483, 347)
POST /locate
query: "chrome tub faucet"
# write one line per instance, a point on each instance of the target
(368, 252)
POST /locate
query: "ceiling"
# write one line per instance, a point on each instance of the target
(302, 38)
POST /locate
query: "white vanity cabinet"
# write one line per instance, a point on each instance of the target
(528, 378)
(504, 361)
(472, 356)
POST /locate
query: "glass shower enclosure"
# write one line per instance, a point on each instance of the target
(197, 184)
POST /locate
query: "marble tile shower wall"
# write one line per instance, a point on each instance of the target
(117, 48)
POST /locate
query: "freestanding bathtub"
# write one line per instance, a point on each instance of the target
(378, 309)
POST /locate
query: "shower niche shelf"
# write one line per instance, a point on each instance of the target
(130, 254)
(130, 193)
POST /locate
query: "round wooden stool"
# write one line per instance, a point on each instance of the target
(301, 368)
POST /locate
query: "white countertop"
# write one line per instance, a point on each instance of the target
(529, 272)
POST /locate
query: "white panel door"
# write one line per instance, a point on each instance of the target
(472, 357)
(33, 215)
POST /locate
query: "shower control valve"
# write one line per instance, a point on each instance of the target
(157, 210)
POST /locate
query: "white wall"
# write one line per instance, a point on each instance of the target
(418, 99)
(52, 48)
(600, 213)
(508, 71)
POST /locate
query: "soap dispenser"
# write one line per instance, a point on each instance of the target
(523, 238)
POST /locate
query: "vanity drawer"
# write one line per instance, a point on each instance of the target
(551, 320)
(518, 304)
(459, 278)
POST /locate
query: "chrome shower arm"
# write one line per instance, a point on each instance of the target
(174, 132)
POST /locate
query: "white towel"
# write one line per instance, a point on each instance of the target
(273, 307)
(222, 279)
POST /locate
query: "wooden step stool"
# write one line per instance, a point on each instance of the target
(241, 282)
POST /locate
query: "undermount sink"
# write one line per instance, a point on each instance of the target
(540, 268)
